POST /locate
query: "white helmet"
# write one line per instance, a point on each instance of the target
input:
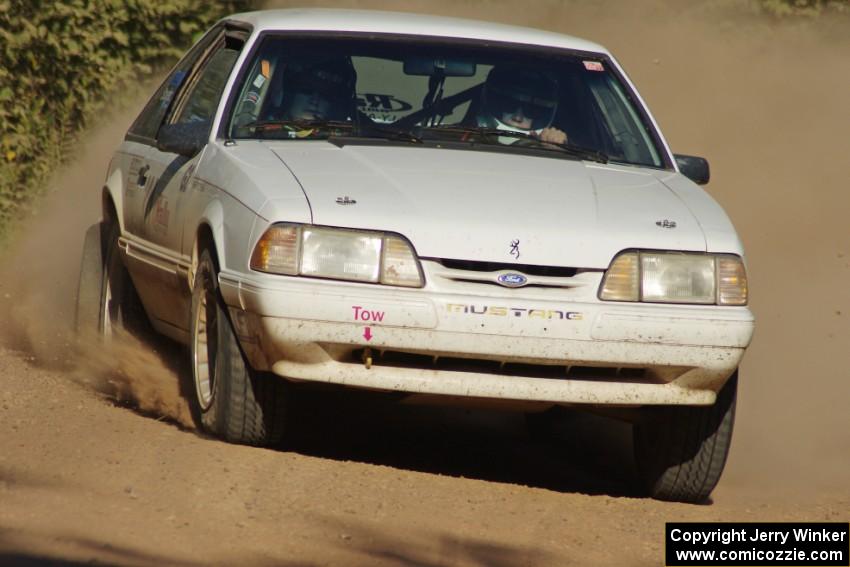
(511, 89)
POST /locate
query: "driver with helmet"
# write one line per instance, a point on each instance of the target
(320, 89)
(522, 100)
(310, 89)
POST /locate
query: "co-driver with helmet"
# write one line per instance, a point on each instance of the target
(520, 100)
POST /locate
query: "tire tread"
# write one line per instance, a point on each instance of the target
(681, 455)
(249, 407)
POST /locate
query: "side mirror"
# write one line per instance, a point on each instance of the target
(694, 168)
(186, 139)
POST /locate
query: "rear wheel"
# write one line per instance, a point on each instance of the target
(107, 302)
(87, 313)
(681, 451)
(231, 401)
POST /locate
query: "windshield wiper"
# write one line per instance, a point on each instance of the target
(295, 125)
(367, 130)
(360, 130)
(372, 130)
(489, 133)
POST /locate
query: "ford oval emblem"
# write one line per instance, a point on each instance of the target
(512, 280)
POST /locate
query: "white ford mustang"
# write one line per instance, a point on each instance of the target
(431, 206)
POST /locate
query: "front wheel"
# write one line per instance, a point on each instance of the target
(231, 401)
(681, 451)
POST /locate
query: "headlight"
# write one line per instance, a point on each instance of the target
(337, 253)
(340, 254)
(676, 277)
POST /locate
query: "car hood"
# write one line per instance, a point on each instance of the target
(473, 205)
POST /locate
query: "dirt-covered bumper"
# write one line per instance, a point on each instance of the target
(424, 341)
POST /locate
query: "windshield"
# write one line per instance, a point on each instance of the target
(423, 90)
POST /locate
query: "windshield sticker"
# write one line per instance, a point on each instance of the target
(593, 66)
(259, 81)
(382, 107)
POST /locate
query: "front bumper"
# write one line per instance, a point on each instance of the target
(497, 346)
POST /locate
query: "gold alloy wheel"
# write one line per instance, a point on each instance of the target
(204, 349)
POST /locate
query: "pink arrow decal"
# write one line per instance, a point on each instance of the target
(367, 333)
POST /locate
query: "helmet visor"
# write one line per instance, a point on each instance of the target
(501, 102)
(511, 90)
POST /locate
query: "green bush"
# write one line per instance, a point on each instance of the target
(60, 59)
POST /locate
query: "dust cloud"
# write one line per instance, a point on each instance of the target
(38, 286)
(130, 372)
(764, 101)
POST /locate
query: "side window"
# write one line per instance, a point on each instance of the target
(623, 123)
(204, 95)
(148, 122)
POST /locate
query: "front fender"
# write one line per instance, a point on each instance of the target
(228, 223)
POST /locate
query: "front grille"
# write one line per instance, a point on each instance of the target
(401, 359)
(527, 269)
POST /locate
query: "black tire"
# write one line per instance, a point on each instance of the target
(681, 451)
(107, 303)
(232, 401)
(120, 307)
(87, 312)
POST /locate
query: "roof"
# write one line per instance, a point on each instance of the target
(373, 21)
